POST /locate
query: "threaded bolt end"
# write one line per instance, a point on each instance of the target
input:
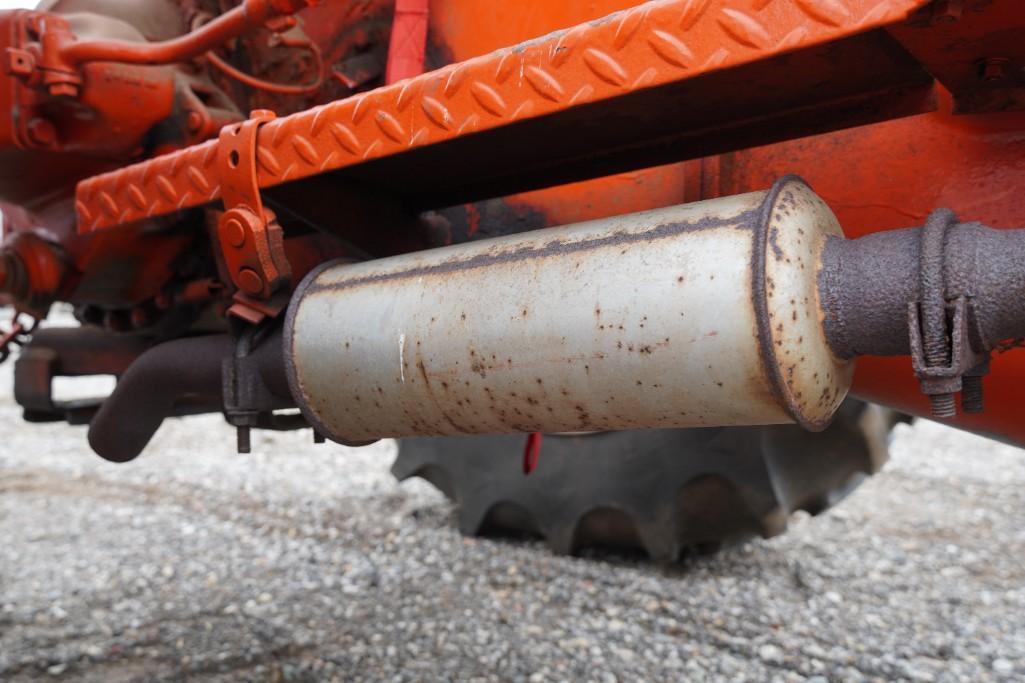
(244, 444)
(971, 394)
(943, 405)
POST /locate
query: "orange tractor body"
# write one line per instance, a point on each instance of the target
(169, 166)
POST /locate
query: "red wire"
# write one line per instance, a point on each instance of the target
(531, 452)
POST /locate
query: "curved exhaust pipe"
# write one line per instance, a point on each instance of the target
(177, 377)
(184, 377)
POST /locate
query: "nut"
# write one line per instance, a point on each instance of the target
(250, 281)
(233, 232)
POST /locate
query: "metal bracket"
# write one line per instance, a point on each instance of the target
(967, 366)
(248, 400)
(944, 360)
(251, 241)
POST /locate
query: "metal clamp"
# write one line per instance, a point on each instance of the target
(248, 388)
(251, 241)
(944, 361)
(963, 371)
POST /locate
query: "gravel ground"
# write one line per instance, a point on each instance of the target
(307, 563)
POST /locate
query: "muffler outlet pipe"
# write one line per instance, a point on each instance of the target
(866, 285)
(696, 315)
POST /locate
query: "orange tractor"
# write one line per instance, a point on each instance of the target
(695, 243)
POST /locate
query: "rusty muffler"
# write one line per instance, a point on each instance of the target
(695, 315)
(736, 311)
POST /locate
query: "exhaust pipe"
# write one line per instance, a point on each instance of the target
(697, 315)
(745, 310)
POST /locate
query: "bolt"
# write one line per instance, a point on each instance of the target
(971, 394)
(41, 132)
(233, 232)
(946, 11)
(250, 281)
(994, 69)
(243, 443)
(943, 405)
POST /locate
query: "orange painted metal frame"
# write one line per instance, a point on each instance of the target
(646, 46)
(465, 33)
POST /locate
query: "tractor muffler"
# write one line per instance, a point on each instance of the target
(695, 315)
(745, 310)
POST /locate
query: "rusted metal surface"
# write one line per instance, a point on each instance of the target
(936, 352)
(254, 383)
(811, 380)
(702, 314)
(180, 377)
(184, 369)
(641, 49)
(867, 284)
(941, 370)
(243, 378)
(947, 294)
(885, 177)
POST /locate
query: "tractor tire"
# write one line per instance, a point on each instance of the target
(661, 491)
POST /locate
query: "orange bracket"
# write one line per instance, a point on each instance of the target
(251, 241)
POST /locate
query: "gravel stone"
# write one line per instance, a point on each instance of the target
(310, 563)
(1003, 667)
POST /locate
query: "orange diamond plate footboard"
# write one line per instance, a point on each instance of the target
(663, 81)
